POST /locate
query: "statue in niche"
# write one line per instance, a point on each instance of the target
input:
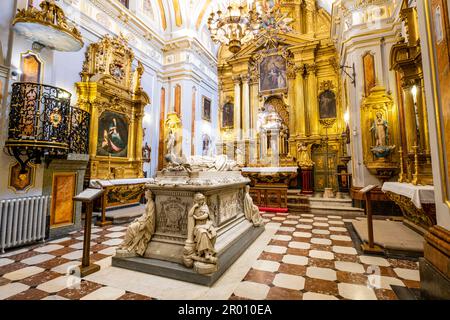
(380, 133)
(304, 159)
(139, 232)
(199, 251)
(251, 211)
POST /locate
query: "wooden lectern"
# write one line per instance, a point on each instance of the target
(88, 196)
(369, 247)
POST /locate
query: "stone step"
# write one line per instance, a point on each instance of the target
(338, 210)
(122, 215)
(333, 202)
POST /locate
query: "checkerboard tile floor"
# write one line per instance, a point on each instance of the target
(309, 257)
(313, 258)
(43, 271)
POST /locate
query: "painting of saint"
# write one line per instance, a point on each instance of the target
(440, 23)
(327, 105)
(112, 135)
(206, 109)
(228, 114)
(272, 71)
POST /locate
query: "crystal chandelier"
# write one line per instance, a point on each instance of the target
(236, 26)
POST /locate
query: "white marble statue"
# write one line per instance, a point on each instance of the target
(199, 249)
(139, 232)
(251, 211)
(216, 163)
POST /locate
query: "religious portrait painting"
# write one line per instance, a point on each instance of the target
(327, 105)
(112, 135)
(206, 109)
(228, 114)
(440, 24)
(272, 71)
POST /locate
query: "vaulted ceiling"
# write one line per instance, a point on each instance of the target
(192, 15)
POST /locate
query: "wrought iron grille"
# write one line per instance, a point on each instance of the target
(39, 113)
(79, 131)
(43, 124)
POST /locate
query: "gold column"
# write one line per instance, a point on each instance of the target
(299, 109)
(410, 117)
(254, 106)
(246, 106)
(293, 118)
(312, 112)
(425, 136)
(237, 107)
(139, 134)
(132, 147)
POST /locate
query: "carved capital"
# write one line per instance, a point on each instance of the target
(236, 79)
(310, 69)
(245, 78)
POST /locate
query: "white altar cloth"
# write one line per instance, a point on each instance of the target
(417, 194)
(118, 182)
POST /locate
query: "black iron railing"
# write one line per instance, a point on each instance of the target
(43, 124)
(79, 131)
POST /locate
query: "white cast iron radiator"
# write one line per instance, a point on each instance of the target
(22, 220)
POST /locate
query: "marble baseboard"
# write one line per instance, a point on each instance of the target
(179, 272)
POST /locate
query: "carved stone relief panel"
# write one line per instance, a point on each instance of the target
(172, 215)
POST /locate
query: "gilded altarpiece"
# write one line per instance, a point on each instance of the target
(290, 70)
(110, 90)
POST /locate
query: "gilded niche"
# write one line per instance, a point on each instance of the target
(111, 91)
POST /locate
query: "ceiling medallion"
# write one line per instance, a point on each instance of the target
(48, 27)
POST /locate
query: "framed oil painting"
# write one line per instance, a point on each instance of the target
(228, 114)
(206, 109)
(437, 14)
(327, 105)
(369, 72)
(112, 135)
(272, 72)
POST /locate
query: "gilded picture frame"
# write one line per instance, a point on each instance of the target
(273, 74)
(113, 134)
(206, 108)
(437, 26)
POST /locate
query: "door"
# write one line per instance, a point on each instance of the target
(63, 191)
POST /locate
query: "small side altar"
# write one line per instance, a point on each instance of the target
(269, 185)
(416, 202)
(118, 193)
(199, 219)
